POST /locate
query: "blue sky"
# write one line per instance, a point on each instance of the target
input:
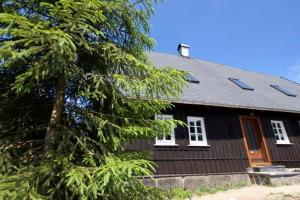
(258, 35)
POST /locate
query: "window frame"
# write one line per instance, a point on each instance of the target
(203, 130)
(165, 142)
(283, 90)
(191, 78)
(241, 84)
(284, 134)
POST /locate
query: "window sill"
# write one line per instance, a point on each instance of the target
(284, 143)
(169, 145)
(198, 145)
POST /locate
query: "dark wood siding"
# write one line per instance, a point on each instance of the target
(287, 155)
(226, 152)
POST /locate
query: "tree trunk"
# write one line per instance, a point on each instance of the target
(56, 112)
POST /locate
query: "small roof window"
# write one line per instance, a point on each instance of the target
(289, 80)
(283, 90)
(241, 84)
(190, 78)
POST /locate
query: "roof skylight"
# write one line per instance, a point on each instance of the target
(283, 90)
(190, 78)
(289, 80)
(241, 84)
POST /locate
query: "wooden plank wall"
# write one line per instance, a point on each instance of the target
(226, 152)
(287, 155)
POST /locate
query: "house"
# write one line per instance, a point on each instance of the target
(236, 119)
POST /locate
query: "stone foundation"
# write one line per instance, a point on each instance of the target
(274, 179)
(194, 182)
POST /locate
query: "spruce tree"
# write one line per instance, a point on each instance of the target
(76, 87)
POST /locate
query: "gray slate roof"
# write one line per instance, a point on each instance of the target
(216, 90)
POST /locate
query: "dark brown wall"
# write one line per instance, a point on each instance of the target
(287, 155)
(226, 152)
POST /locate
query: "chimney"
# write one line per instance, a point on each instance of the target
(183, 50)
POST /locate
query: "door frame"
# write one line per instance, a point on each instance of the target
(266, 149)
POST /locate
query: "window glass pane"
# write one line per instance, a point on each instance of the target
(275, 131)
(280, 131)
(200, 137)
(193, 137)
(192, 129)
(192, 123)
(277, 137)
(168, 137)
(278, 125)
(198, 123)
(281, 138)
(199, 130)
(160, 137)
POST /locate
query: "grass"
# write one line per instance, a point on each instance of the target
(178, 194)
(203, 190)
(181, 194)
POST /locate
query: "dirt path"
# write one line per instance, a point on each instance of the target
(291, 192)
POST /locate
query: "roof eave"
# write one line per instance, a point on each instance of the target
(233, 106)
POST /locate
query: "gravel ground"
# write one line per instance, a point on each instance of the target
(254, 192)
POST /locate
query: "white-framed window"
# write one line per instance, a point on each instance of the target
(280, 132)
(197, 133)
(165, 138)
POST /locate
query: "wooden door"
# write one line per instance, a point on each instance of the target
(256, 148)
